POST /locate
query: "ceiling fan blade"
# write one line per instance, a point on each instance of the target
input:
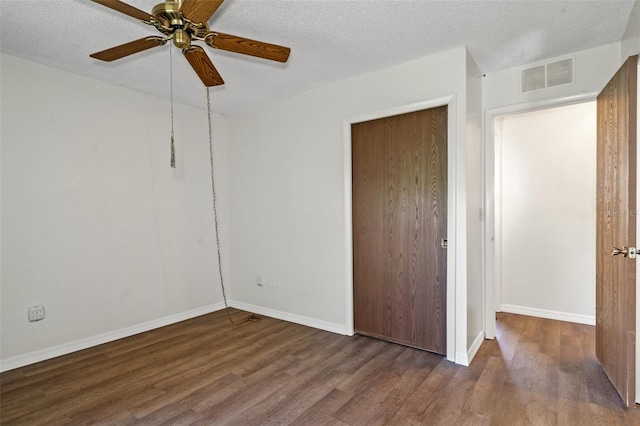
(126, 9)
(128, 48)
(202, 65)
(247, 46)
(199, 11)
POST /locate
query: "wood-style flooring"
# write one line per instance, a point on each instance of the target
(206, 371)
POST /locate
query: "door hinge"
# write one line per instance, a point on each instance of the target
(443, 243)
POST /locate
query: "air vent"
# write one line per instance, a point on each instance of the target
(547, 75)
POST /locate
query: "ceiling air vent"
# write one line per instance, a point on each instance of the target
(546, 75)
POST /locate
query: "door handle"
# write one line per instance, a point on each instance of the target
(616, 251)
(625, 252)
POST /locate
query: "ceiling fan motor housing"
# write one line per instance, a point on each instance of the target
(168, 14)
(171, 23)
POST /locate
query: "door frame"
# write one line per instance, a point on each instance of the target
(451, 302)
(492, 249)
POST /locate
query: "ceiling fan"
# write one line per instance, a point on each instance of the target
(184, 21)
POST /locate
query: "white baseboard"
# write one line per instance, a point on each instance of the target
(475, 346)
(465, 358)
(554, 315)
(286, 316)
(77, 345)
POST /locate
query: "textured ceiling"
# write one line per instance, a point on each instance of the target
(331, 40)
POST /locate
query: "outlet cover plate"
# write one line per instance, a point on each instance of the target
(36, 313)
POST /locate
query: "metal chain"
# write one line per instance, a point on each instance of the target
(214, 198)
(250, 317)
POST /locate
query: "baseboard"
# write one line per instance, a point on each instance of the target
(77, 345)
(462, 359)
(554, 315)
(465, 358)
(475, 346)
(286, 316)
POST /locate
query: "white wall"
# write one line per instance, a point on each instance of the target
(474, 192)
(549, 212)
(287, 191)
(95, 224)
(630, 44)
(593, 68)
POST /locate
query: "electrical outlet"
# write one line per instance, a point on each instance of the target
(271, 281)
(259, 280)
(36, 313)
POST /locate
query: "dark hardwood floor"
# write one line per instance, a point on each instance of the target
(206, 371)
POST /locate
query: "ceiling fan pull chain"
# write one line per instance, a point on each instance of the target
(215, 214)
(173, 146)
(214, 199)
(173, 152)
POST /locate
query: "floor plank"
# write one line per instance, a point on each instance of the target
(206, 371)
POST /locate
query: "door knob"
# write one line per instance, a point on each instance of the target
(616, 251)
(630, 252)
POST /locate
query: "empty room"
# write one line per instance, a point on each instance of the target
(319, 212)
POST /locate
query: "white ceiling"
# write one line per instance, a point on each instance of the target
(331, 40)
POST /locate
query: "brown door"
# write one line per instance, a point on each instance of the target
(616, 229)
(399, 222)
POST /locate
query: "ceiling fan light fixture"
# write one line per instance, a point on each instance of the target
(181, 39)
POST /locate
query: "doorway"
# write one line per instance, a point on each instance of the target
(399, 187)
(493, 201)
(546, 212)
(494, 249)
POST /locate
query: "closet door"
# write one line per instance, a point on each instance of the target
(399, 228)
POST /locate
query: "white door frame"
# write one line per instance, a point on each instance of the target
(452, 252)
(492, 202)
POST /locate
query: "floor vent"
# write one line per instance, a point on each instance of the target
(547, 75)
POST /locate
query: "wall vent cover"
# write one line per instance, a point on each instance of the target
(547, 75)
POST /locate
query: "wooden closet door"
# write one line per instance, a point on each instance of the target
(399, 221)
